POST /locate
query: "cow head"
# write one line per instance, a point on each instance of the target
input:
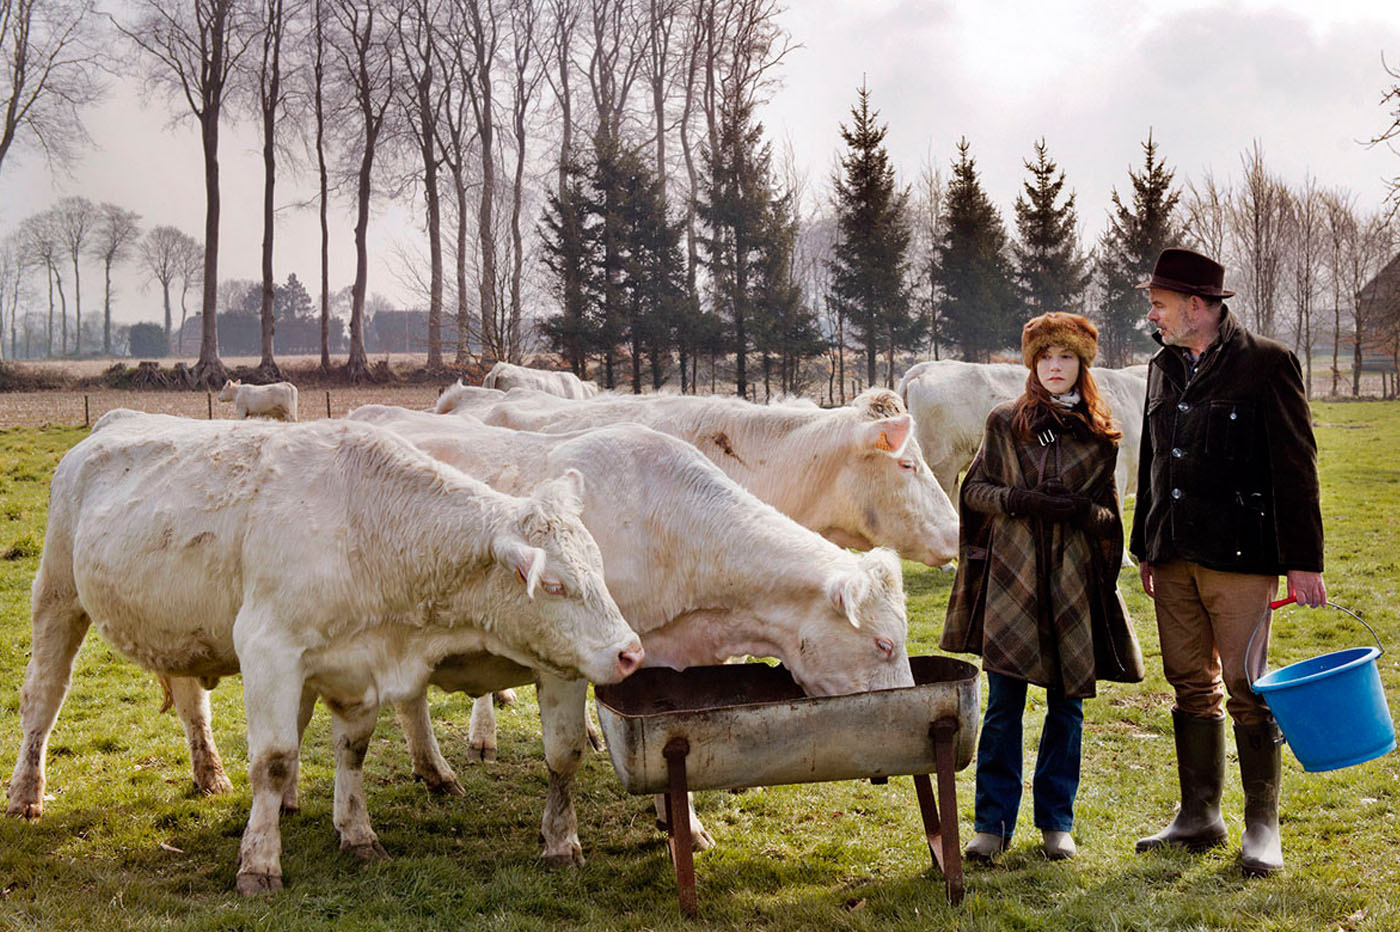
(230, 389)
(852, 636)
(891, 497)
(554, 612)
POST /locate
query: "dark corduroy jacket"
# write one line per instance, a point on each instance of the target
(1228, 472)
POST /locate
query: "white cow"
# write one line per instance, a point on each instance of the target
(329, 559)
(854, 474)
(950, 401)
(275, 400)
(459, 396)
(565, 384)
(702, 569)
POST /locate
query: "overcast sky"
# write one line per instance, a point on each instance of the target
(1302, 77)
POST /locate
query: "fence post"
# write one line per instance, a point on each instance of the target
(328, 404)
(209, 403)
(86, 422)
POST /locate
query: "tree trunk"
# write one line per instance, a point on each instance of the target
(267, 366)
(463, 311)
(107, 307)
(209, 369)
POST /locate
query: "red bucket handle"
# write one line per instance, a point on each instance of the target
(1255, 668)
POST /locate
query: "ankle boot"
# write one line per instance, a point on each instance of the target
(1261, 849)
(1200, 769)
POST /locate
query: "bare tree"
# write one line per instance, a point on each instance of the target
(457, 131)
(12, 266)
(1206, 210)
(483, 33)
(1306, 260)
(527, 75)
(419, 22)
(275, 19)
(363, 48)
(113, 239)
(189, 261)
(1259, 222)
(1339, 221)
(75, 218)
(1367, 249)
(1391, 99)
(193, 50)
(318, 97)
(51, 52)
(39, 245)
(161, 252)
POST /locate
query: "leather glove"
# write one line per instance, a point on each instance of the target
(1062, 507)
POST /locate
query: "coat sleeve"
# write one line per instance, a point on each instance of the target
(981, 491)
(1292, 452)
(1137, 544)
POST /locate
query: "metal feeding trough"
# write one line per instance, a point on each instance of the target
(739, 725)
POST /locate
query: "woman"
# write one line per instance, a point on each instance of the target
(1040, 545)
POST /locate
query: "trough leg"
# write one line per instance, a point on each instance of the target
(678, 827)
(943, 732)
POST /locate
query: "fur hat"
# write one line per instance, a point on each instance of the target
(1059, 327)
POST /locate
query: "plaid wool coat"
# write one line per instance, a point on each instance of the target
(1038, 599)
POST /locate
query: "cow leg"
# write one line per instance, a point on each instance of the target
(700, 837)
(563, 705)
(59, 626)
(191, 701)
(428, 763)
(291, 799)
(273, 683)
(481, 732)
(351, 727)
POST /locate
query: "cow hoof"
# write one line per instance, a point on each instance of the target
(571, 858)
(444, 786)
(215, 785)
(702, 840)
(29, 812)
(481, 753)
(366, 851)
(505, 698)
(251, 884)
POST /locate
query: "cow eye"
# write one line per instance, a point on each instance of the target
(552, 587)
(907, 463)
(886, 646)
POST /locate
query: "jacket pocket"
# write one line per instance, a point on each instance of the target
(1230, 431)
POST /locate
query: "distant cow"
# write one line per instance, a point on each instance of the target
(505, 376)
(276, 400)
(458, 396)
(853, 474)
(331, 559)
(950, 401)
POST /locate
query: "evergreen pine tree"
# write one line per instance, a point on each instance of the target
(733, 208)
(868, 264)
(569, 240)
(980, 312)
(1051, 272)
(1127, 251)
(786, 329)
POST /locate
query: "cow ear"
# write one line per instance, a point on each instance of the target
(527, 562)
(888, 435)
(846, 592)
(566, 490)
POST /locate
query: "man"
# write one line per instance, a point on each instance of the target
(1227, 502)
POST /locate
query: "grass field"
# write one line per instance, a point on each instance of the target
(125, 842)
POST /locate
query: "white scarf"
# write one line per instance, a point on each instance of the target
(1066, 400)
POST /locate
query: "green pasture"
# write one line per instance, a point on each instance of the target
(126, 843)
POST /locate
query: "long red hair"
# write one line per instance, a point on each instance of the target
(1035, 405)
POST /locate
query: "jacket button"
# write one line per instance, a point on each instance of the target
(1176, 493)
(1178, 452)
(1183, 406)
(1233, 416)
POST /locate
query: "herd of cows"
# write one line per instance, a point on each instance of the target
(529, 530)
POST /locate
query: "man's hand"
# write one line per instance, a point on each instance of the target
(1149, 585)
(1307, 587)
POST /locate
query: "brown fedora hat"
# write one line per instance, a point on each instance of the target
(1189, 273)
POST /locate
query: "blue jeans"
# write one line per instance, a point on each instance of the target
(999, 759)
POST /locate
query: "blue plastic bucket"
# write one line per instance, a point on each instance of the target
(1331, 709)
